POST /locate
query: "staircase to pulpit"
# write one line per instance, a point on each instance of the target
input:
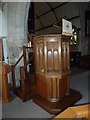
(26, 88)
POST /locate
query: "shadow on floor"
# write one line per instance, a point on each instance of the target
(77, 70)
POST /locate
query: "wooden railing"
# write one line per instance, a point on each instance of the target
(23, 70)
(13, 72)
(79, 111)
(22, 73)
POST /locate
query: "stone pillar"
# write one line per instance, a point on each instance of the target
(17, 14)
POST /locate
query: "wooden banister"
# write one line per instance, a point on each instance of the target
(24, 52)
(13, 78)
(19, 60)
(23, 55)
(26, 62)
(13, 73)
(29, 60)
(28, 47)
(22, 69)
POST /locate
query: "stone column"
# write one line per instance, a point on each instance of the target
(17, 14)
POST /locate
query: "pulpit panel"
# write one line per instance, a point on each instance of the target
(65, 56)
(42, 89)
(53, 89)
(39, 57)
(52, 66)
(52, 56)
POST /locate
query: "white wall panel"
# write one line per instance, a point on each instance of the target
(0, 22)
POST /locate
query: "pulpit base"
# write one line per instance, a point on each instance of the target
(57, 107)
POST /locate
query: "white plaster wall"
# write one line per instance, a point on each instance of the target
(15, 16)
(3, 31)
(16, 28)
(4, 20)
(0, 22)
(13, 26)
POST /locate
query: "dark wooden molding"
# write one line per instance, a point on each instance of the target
(75, 17)
(44, 27)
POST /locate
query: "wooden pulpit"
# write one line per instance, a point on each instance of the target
(52, 71)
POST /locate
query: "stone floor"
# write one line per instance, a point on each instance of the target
(18, 109)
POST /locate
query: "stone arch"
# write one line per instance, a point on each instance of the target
(17, 15)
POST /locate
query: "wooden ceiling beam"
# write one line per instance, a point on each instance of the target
(64, 3)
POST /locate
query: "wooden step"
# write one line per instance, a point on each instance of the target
(29, 89)
(26, 96)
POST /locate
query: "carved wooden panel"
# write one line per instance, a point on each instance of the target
(41, 86)
(52, 55)
(63, 86)
(53, 89)
(65, 56)
(39, 57)
(52, 66)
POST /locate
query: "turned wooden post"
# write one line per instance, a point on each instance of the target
(22, 75)
(13, 78)
(24, 58)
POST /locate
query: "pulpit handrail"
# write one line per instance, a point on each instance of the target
(24, 67)
(19, 60)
